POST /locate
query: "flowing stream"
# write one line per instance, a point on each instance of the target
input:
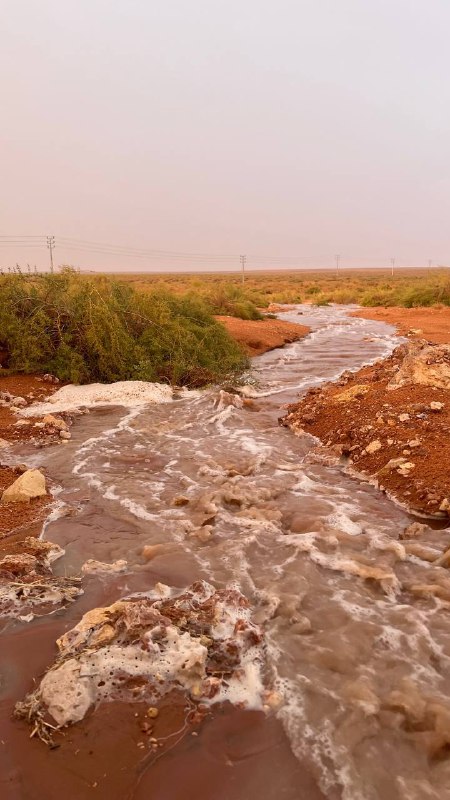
(361, 665)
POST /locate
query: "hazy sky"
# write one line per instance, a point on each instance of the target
(282, 128)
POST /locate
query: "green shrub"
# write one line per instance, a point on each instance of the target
(234, 301)
(97, 329)
(321, 300)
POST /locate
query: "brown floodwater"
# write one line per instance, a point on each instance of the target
(356, 644)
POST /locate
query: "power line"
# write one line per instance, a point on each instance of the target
(168, 258)
(144, 251)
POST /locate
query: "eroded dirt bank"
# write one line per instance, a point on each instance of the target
(391, 422)
(259, 336)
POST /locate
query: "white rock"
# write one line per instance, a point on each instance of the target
(373, 446)
(29, 485)
(405, 469)
(56, 422)
(92, 567)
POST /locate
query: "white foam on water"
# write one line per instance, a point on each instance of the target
(131, 394)
(341, 521)
(138, 510)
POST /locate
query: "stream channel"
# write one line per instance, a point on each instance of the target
(350, 657)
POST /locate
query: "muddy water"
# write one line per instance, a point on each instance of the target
(221, 492)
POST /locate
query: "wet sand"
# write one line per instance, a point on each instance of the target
(230, 753)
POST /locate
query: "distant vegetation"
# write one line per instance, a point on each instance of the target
(161, 327)
(99, 329)
(225, 294)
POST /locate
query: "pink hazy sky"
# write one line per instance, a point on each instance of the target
(295, 128)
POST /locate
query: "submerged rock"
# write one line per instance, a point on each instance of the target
(28, 587)
(201, 641)
(92, 567)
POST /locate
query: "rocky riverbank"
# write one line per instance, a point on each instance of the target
(389, 422)
(21, 519)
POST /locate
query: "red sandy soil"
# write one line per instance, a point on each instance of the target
(424, 323)
(30, 387)
(259, 336)
(19, 520)
(344, 426)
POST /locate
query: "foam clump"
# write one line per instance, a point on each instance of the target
(130, 394)
(28, 587)
(200, 641)
(93, 567)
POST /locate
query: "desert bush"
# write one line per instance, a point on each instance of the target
(234, 301)
(97, 329)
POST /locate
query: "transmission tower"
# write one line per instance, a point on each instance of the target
(51, 246)
(243, 260)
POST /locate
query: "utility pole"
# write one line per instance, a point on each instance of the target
(392, 266)
(338, 258)
(243, 260)
(51, 245)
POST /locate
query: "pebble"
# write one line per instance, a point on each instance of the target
(373, 446)
(404, 417)
(405, 469)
